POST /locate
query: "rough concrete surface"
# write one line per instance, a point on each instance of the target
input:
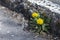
(9, 28)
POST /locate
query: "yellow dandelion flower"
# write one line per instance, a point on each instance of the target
(34, 14)
(40, 21)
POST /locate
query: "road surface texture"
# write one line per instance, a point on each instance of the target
(11, 28)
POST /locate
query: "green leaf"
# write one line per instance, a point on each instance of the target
(43, 27)
(46, 30)
(39, 29)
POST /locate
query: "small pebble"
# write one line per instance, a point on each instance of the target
(12, 35)
(8, 31)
